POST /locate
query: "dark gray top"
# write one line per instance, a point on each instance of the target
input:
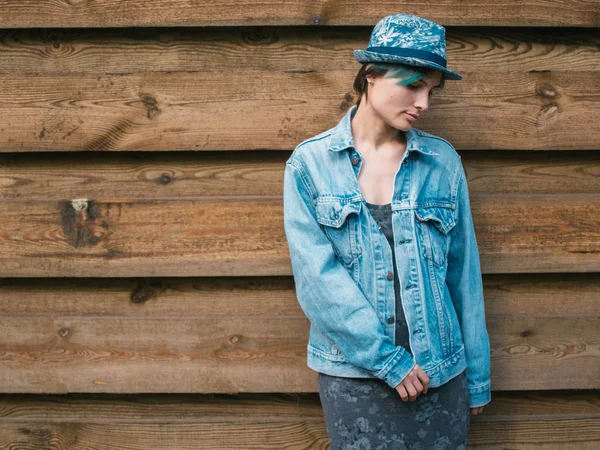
(383, 216)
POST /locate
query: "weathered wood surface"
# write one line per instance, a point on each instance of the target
(180, 175)
(245, 236)
(561, 420)
(249, 335)
(72, 13)
(221, 213)
(573, 295)
(280, 49)
(214, 111)
(257, 89)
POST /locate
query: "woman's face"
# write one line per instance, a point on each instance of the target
(394, 103)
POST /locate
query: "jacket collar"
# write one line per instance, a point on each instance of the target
(341, 136)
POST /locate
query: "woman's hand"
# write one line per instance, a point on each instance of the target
(414, 384)
(475, 411)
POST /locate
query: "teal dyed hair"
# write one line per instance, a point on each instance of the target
(405, 74)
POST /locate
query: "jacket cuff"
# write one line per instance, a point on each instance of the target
(397, 369)
(480, 395)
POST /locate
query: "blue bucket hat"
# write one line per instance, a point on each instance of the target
(408, 39)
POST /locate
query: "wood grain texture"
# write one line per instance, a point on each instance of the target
(74, 13)
(265, 354)
(245, 236)
(104, 51)
(569, 294)
(561, 420)
(94, 90)
(210, 111)
(249, 335)
(180, 175)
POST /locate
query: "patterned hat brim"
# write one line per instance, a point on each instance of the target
(364, 56)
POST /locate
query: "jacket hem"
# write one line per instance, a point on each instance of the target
(438, 375)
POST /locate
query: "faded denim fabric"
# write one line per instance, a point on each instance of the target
(343, 267)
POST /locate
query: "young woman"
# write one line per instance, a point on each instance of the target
(385, 259)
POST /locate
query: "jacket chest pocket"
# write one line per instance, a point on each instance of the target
(340, 221)
(433, 226)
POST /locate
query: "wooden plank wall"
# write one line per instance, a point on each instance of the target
(146, 296)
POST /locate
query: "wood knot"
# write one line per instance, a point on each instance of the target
(234, 339)
(165, 179)
(146, 290)
(259, 36)
(113, 254)
(547, 91)
(78, 220)
(348, 101)
(150, 103)
(64, 332)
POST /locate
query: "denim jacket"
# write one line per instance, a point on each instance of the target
(342, 263)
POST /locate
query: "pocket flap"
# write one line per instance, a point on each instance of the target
(333, 213)
(442, 218)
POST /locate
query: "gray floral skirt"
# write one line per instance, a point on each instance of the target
(367, 414)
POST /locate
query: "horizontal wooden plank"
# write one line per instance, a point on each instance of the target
(104, 51)
(213, 111)
(15, 14)
(241, 297)
(249, 334)
(255, 354)
(550, 233)
(245, 236)
(156, 175)
(524, 420)
(198, 408)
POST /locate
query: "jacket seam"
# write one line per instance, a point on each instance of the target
(304, 179)
(433, 136)
(480, 387)
(315, 139)
(433, 368)
(386, 368)
(325, 355)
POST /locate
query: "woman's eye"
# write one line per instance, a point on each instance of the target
(413, 86)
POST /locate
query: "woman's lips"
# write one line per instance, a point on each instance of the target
(410, 117)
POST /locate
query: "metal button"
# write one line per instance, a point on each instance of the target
(390, 320)
(379, 227)
(354, 161)
(390, 276)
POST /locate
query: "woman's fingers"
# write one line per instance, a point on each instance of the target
(412, 392)
(415, 384)
(475, 411)
(424, 380)
(402, 391)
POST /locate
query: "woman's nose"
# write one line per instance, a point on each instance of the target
(422, 101)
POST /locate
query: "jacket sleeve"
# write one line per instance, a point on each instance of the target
(465, 285)
(327, 293)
